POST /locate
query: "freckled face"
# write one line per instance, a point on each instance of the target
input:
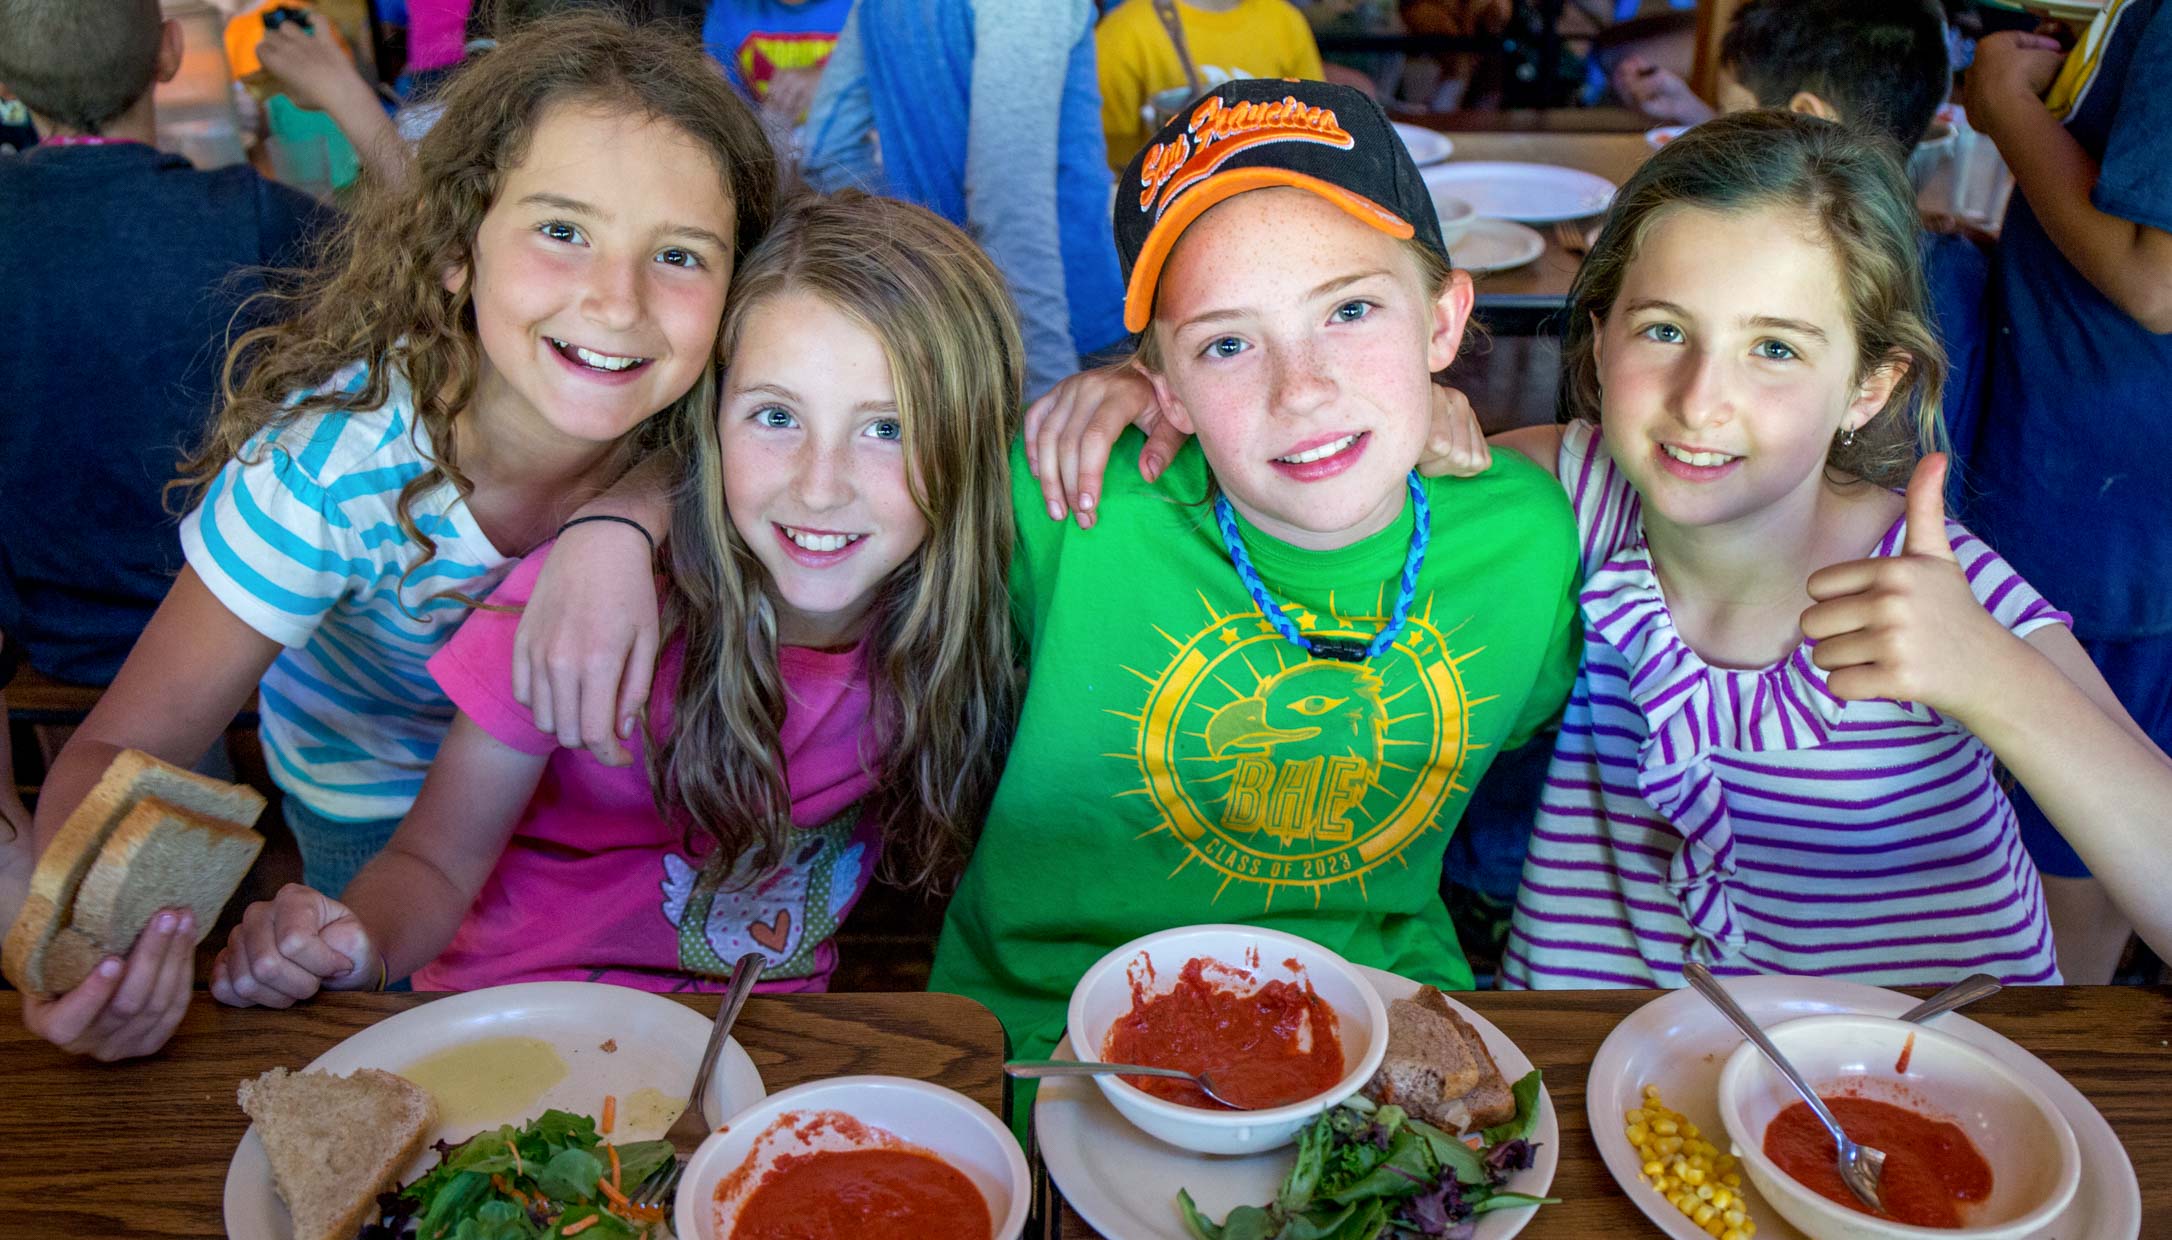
(599, 275)
(1298, 344)
(1727, 365)
(815, 468)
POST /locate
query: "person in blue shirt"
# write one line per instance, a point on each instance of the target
(122, 269)
(2076, 421)
(774, 50)
(987, 112)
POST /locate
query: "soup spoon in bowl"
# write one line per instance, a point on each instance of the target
(1860, 1166)
(1073, 1067)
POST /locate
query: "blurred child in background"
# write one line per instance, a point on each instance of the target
(2075, 423)
(987, 112)
(1226, 38)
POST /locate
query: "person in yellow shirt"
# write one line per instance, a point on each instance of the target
(1227, 39)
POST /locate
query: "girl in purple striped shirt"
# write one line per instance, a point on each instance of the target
(1779, 754)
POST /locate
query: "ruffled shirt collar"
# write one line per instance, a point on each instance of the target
(1692, 708)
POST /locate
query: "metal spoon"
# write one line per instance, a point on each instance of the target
(1074, 1067)
(694, 1123)
(1960, 994)
(1860, 1166)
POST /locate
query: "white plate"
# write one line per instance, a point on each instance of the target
(1679, 1042)
(1426, 146)
(1533, 193)
(1496, 245)
(659, 1044)
(1125, 1183)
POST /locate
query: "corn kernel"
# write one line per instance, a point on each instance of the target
(1688, 1170)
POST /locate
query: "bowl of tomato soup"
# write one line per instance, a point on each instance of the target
(1971, 1149)
(857, 1158)
(1280, 1023)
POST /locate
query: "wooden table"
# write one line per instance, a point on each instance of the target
(1522, 300)
(2114, 1043)
(140, 1149)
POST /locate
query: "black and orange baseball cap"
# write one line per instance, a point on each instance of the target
(1254, 134)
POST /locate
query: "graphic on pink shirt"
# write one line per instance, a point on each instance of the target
(784, 916)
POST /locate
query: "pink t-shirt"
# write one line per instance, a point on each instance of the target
(594, 884)
(436, 32)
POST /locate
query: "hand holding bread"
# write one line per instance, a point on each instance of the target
(139, 870)
(291, 946)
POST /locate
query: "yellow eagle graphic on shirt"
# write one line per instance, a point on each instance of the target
(1280, 770)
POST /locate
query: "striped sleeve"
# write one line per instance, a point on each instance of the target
(1606, 507)
(274, 540)
(2003, 591)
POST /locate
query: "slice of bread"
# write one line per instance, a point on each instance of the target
(160, 856)
(1438, 1069)
(46, 952)
(335, 1142)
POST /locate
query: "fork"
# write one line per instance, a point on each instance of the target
(660, 1190)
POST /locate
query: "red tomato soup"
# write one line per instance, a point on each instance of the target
(874, 1194)
(1932, 1170)
(1273, 1046)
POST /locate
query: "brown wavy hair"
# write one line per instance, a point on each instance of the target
(377, 293)
(1852, 186)
(944, 681)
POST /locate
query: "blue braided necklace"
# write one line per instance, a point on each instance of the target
(1343, 649)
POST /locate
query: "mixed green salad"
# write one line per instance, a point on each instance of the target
(553, 1177)
(1369, 1172)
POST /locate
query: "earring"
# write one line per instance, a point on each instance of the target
(1847, 438)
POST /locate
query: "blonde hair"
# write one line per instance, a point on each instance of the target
(939, 638)
(378, 294)
(1853, 188)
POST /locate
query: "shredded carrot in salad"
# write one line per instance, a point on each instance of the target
(614, 1165)
(610, 1112)
(582, 1226)
(617, 1198)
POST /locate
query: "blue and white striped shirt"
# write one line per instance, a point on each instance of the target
(300, 537)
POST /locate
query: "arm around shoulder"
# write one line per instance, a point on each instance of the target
(1541, 444)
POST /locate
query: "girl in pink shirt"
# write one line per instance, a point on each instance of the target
(835, 689)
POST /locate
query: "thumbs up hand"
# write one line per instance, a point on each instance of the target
(1907, 628)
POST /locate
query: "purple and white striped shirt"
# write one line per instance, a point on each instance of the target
(1753, 818)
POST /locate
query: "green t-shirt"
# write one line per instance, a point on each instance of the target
(1177, 761)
